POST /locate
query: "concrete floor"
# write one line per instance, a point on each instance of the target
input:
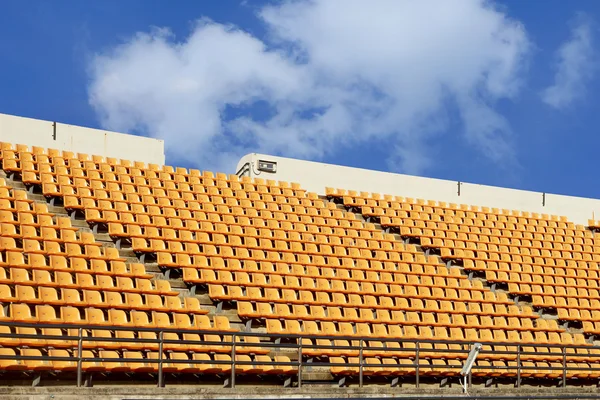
(132, 392)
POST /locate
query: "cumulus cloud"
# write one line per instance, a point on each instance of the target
(576, 65)
(329, 75)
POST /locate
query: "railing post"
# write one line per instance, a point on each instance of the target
(417, 367)
(470, 379)
(360, 364)
(233, 361)
(79, 363)
(564, 365)
(467, 368)
(518, 366)
(300, 362)
(161, 382)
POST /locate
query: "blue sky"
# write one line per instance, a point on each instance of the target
(500, 93)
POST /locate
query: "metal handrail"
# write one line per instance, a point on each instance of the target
(300, 347)
(131, 328)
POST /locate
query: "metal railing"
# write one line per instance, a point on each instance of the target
(307, 353)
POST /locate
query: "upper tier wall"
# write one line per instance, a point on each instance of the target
(315, 177)
(35, 132)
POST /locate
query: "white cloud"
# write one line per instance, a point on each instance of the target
(331, 74)
(575, 66)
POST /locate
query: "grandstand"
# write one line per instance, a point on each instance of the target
(115, 269)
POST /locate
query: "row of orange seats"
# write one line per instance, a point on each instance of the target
(550, 289)
(420, 212)
(474, 242)
(89, 281)
(401, 287)
(561, 268)
(358, 269)
(353, 198)
(112, 181)
(409, 227)
(79, 296)
(325, 278)
(502, 236)
(189, 317)
(458, 301)
(429, 317)
(135, 194)
(571, 303)
(237, 234)
(250, 216)
(414, 333)
(390, 367)
(115, 267)
(142, 362)
(543, 258)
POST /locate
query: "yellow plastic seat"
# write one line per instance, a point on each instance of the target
(11, 364)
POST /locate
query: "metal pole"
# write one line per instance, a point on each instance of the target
(79, 363)
(233, 361)
(417, 368)
(470, 379)
(360, 364)
(161, 382)
(564, 365)
(518, 366)
(300, 363)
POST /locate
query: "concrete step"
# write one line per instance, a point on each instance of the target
(127, 252)
(56, 209)
(151, 267)
(78, 223)
(232, 315)
(211, 309)
(17, 185)
(204, 299)
(237, 325)
(318, 376)
(574, 331)
(278, 351)
(37, 197)
(177, 284)
(156, 276)
(103, 238)
(105, 243)
(548, 316)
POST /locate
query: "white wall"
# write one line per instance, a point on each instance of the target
(491, 196)
(315, 177)
(33, 132)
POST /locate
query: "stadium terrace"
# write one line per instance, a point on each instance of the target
(289, 278)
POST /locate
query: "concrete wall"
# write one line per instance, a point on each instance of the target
(315, 177)
(34, 132)
(256, 390)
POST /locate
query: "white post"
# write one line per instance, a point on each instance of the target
(469, 362)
